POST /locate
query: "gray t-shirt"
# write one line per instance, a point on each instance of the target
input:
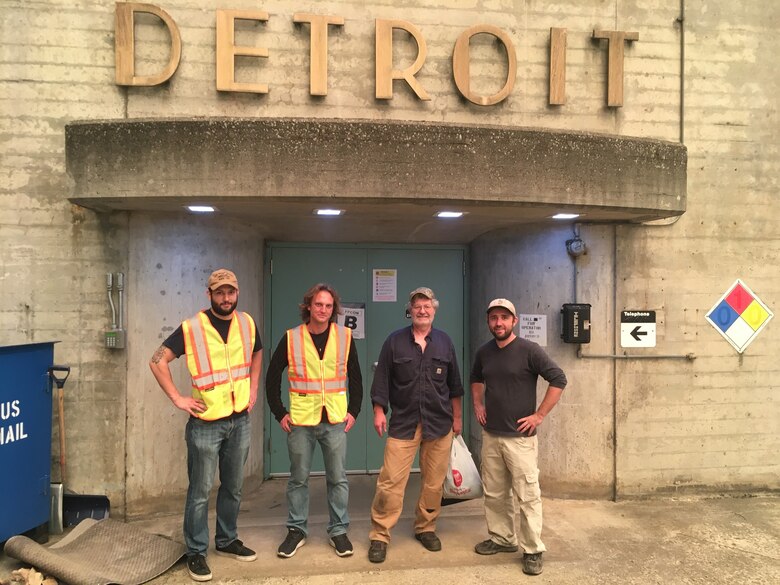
(510, 374)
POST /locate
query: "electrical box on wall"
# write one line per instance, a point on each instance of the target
(115, 339)
(575, 319)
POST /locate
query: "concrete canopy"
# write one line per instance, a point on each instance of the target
(390, 177)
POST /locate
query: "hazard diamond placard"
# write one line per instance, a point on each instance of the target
(739, 316)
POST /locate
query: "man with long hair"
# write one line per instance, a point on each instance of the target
(326, 390)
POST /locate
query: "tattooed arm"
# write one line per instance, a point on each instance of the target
(162, 373)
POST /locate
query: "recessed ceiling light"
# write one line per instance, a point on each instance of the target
(201, 208)
(449, 214)
(566, 216)
(329, 212)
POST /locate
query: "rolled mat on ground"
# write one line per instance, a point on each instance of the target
(98, 552)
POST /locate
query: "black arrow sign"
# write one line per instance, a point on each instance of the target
(637, 331)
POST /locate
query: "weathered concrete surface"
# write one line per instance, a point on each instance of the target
(705, 541)
(126, 164)
(531, 267)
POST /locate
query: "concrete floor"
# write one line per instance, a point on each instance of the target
(674, 540)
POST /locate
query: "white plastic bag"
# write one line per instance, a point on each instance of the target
(462, 481)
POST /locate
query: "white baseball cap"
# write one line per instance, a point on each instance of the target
(504, 304)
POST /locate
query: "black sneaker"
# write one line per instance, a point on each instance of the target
(488, 547)
(238, 551)
(198, 569)
(532, 564)
(377, 551)
(295, 539)
(342, 545)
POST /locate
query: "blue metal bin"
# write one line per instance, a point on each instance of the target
(25, 437)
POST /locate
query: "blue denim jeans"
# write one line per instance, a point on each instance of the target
(300, 444)
(222, 444)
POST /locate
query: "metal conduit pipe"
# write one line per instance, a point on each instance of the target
(618, 356)
(681, 20)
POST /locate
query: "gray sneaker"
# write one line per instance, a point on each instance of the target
(295, 539)
(488, 547)
(532, 564)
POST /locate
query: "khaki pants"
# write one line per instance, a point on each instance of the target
(509, 471)
(391, 484)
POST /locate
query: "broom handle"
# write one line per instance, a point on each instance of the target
(61, 409)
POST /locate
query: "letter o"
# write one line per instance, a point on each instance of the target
(461, 64)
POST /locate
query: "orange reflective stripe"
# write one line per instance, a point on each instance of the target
(200, 343)
(239, 372)
(245, 329)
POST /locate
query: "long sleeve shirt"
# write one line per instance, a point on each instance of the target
(417, 385)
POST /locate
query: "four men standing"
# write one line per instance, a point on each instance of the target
(417, 376)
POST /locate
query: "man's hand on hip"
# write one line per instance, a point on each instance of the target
(190, 405)
(528, 424)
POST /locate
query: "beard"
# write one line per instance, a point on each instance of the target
(501, 337)
(223, 312)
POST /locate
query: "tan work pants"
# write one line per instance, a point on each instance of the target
(391, 484)
(509, 471)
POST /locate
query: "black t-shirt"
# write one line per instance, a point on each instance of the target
(510, 374)
(175, 341)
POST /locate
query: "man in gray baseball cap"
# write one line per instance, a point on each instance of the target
(417, 376)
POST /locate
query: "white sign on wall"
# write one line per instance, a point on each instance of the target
(385, 285)
(353, 315)
(637, 328)
(533, 328)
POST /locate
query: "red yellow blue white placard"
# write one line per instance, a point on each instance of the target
(739, 316)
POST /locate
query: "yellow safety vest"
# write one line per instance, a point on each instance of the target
(316, 382)
(219, 370)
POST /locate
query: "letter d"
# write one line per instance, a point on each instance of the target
(124, 44)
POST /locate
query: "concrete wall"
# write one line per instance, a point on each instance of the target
(170, 259)
(712, 424)
(530, 266)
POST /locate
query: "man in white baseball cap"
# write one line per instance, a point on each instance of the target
(503, 390)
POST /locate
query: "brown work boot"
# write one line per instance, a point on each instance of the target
(429, 540)
(377, 551)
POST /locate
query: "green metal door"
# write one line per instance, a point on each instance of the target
(293, 268)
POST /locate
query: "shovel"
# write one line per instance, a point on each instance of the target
(60, 381)
(69, 509)
(55, 511)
